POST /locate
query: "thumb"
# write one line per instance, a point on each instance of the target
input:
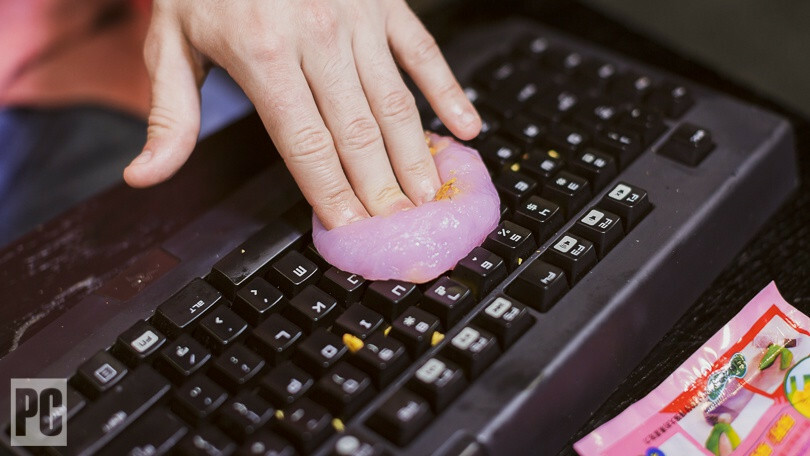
(174, 118)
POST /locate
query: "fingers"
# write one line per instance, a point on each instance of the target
(417, 53)
(174, 118)
(394, 108)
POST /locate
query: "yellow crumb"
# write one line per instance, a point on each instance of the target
(353, 343)
(280, 414)
(515, 167)
(387, 330)
(553, 153)
(447, 190)
(338, 425)
(437, 337)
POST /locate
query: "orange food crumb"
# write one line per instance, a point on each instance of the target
(447, 190)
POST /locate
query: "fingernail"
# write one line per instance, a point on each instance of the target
(468, 117)
(144, 157)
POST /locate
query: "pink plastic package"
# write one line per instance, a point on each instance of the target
(745, 392)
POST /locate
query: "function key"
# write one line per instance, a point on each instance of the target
(506, 318)
(344, 286)
(514, 187)
(415, 328)
(207, 440)
(511, 242)
(293, 272)
(274, 338)
(623, 143)
(285, 384)
(602, 228)
(573, 254)
(306, 424)
(481, 270)
(473, 349)
(344, 390)
(198, 399)
(358, 320)
(391, 297)
(257, 299)
(628, 202)
(568, 190)
(439, 381)
(352, 444)
(498, 152)
(541, 164)
(182, 358)
(671, 99)
(185, 307)
(236, 367)
(244, 414)
(598, 167)
(220, 328)
(266, 443)
(689, 144)
(647, 123)
(138, 343)
(319, 352)
(383, 358)
(447, 299)
(312, 308)
(98, 374)
(540, 285)
(401, 417)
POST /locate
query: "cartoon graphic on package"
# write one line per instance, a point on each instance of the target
(745, 392)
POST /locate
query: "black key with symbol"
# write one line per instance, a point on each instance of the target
(648, 123)
(383, 358)
(98, 374)
(602, 228)
(473, 349)
(628, 202)
(596, 113)
(598, 167)
(671, 99)
(623, 143)
(415, 329)
(275, 338)
(633, 86)
(205, 441)
(236, 367)
(447, 299)
(344, 286)
(540, 285)
(343, 390)
(514, 187)
(182, 358)
(312, 308)
(481, 270)
(567, 138)
(266, 443)
(506, 318)
(138, 343)
(439, 381)
(524, 129)
(499, 152)
(155, 433)
(285, 384)
(689, 144)
(390, 298)
(575, 255)
(541, 164)
(306, 424)
(292, 272)
(185, 307)
(319, 352)
(220, 328)
(358, 320)
(401, 417)
(198, 399)
(244, 414)
(570, 191)
(554, 105)
(353, 444)
(257, 300)
(511, 242)
(541, 216)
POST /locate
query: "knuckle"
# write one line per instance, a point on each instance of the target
(361, 133)
(387, 195)
(335, 197)
(312, 145)
(321, 20)
(420, 169)
(424, 51)
(398, 105)
(263, 46)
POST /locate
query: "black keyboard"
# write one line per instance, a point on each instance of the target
(624, 192)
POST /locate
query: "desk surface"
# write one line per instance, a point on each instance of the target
(55, 266)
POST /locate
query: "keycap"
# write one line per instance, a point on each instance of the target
(98, 374)
(688, 144)
(569, 191)
(595, 113)
(352, 444)
(540, 285)
(414, 328)
(275, 338)
(572, 254)
(447, 299)
(602, 228)
(243, 415)
(319, 352)
(236, 367)
(632, 86)
(114, 411)
(155, 433)
(496, 72)
(535, 47)
(220, 328)
(628, 202)
(481, 270)
(306, 424)
(292, 272)
(473, 349)
(499, 152)
(198, 398)
(138, 343)
(185, 307)
(343, 286)
(513, 95)
(243, 263)
(312, 253)
(598, 167)
(567, 138)
(206, 441)
(596, 74)
(266, 443)
(647, 123)
(383, 358)
(51, 423)
(564, 60)
(312, 308)
(284, 384)
(671, 99)
(358, 320)
(539, 215)
(524, 129)
(511, 242)
(343, 390)
(554, 105)
(182, 358)
(390, 297)
(258, 299)
(401, 417)
(540, 164)
(506, 318)
(624, 144)
(439, 381)
(490, 123)
(514, 187)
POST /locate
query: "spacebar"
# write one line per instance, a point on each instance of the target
(112, 412)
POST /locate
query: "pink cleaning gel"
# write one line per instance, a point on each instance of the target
(419, 244)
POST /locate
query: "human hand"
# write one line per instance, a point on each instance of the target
(322, 76)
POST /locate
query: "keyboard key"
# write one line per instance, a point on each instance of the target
(513, 95)
(113, 412)
(246, 261)
(481, 270)
(312, 308)
(541, 216)
(319, 352)
(313, 255)
(351, 444)
(506, 318)
(243, 415)
(401, 417)
(274, 338)
(390, 298)
(489, 123)
(541, 164)
(473, 349)
(511, 242)
(554, 105)
(498, 152)
(535, 47)
(524, 129)
(567, 138)
(689, 144)
(98, 374)
(496, 72)
(598, 167)
(185, 307)
(155, 433)
(628, 202)
(632, 86)
(198, 399)
(306, 424)
(51, 423)
(624, 144)
(255, 301)
(514, 187)
(602, 228)
(236, 367)
(447, 299)
(182, 358)
(358, 320)
(570, 191)
(138, 343)
(220, 328)
(285, 384)
(595, 113)
(292, 272)
(206, 441)
(648, 123)
(383, 358)
(343, 286)
(415, 328)
(540, 285)
(671, 99)
(575, 255)
(439, 381)
(344, 390)
(596, 74)
(265, 443)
